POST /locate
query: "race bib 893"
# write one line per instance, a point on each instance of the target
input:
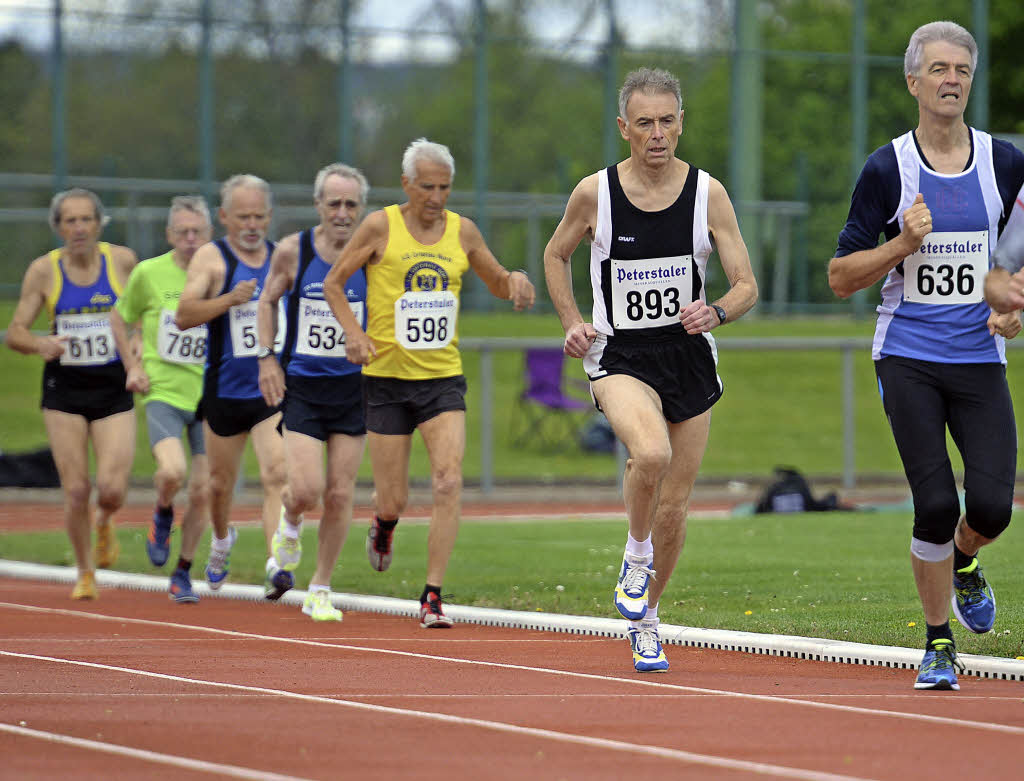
(650, 293)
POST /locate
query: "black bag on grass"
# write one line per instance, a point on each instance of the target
(790, 493)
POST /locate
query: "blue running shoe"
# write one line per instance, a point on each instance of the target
(217, 566)
(181, 588)
(277, 582)
(158, 546)
(939, 666)
(974, 604)
(648, 655)
(631, 590)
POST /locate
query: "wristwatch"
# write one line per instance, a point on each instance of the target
(721, 313)
(264, 352)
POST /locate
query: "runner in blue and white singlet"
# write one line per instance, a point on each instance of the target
(940, 194)
(232, 371)
(933, 306)
(222, 288)
(322, 391)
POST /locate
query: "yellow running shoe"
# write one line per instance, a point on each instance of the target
(85, 588)
(107, 547)
(287, 550)
(318, 606)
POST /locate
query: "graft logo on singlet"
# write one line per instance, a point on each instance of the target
(426, 277)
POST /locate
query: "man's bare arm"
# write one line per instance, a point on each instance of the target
(366, 246)
(732, 252)
(514, 286)
(578, 222)
(284, 264)
(199, 302)
(35, 285)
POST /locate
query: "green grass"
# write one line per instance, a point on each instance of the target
(779, 407)
(844, 576)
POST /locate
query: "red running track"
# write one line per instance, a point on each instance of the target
(231, 689)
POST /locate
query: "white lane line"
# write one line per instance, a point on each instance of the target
(231, 771)
(951, 697)
(687, 757)
(645, 682)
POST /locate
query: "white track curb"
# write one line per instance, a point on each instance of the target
(814, 649)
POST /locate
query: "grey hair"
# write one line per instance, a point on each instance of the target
(650, 81)
(244, 180)
(189, 203)
(950, 32)
(76, 192)
(426, 151)
(345, 171)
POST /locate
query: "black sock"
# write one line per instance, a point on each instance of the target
(939, 632)
(184, 564)
(428, 589)
(387, 525)
(168, 510)
(960, 559)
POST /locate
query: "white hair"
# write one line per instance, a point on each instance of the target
(244, 180)
(949, 32)
(189, 203)
(422, 150)
(649, 81)
(345, 171)
(76, 192)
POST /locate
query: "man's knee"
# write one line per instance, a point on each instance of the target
(274, 474)
(989, 515)
(651, 461)
(170, 477)
(338, 497)
(447, 482)
(110, 493)
(77, 491)
(935, 518)
(389, 504)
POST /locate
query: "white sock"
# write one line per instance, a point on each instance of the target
(221, 544)
(290, 531)
(652, 613)
(639, 548)
(272, 563)
(314, 587)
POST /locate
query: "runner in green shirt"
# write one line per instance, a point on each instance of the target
(169, 377)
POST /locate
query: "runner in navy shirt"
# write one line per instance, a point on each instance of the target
(940, 194)
(321, 389)
(223, 285)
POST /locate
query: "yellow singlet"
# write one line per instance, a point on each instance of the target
(412, 300)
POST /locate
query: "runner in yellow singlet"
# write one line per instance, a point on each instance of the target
(415, 255)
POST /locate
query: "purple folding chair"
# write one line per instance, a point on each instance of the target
(548, 416)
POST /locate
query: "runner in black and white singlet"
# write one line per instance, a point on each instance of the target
(84, 395)
(652, 220)
(940, 195)
(321, 389)
(222, 288)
